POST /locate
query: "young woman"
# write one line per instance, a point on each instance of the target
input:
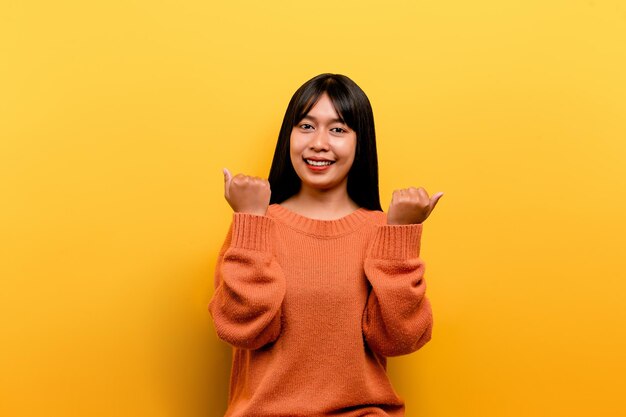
(315, 286)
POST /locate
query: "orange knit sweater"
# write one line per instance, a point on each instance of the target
(312, 308)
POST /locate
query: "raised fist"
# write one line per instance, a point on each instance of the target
(246, 194)
(411, 206)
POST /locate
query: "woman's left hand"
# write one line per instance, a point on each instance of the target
(411, 206)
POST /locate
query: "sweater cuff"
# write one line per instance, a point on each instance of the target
(251, 231)
(396, 241)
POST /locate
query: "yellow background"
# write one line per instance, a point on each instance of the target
(116, 118)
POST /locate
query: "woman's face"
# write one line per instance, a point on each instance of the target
(322, 148)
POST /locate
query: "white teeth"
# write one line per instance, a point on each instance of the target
(318, 163)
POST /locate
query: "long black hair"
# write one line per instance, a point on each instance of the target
(353, 106)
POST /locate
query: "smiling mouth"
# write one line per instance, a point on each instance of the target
(318, 163)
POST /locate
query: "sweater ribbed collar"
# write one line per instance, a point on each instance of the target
(316, 227)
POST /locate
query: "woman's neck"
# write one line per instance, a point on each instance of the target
(321, 204)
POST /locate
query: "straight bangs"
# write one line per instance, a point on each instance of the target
(339, 96)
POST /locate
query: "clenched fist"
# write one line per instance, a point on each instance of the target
(246, 194)
(411, 206)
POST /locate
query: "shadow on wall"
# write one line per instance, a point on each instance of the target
(220, 358)
(191, 365)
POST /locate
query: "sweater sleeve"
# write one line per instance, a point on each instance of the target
(398, 318)
(249, 284)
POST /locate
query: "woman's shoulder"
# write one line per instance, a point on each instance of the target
(375, 217)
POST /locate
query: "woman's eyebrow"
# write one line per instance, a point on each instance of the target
(315, 120)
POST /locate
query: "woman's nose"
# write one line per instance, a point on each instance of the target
(320, 141)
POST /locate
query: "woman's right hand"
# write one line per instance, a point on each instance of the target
(246, 194)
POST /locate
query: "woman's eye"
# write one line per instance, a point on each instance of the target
(338, 130)
(306, 126)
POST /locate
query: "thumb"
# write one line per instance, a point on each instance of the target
(227, 178)
(434, 200)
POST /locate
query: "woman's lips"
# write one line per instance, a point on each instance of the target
(318, 167)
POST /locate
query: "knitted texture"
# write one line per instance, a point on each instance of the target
(312, 309)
